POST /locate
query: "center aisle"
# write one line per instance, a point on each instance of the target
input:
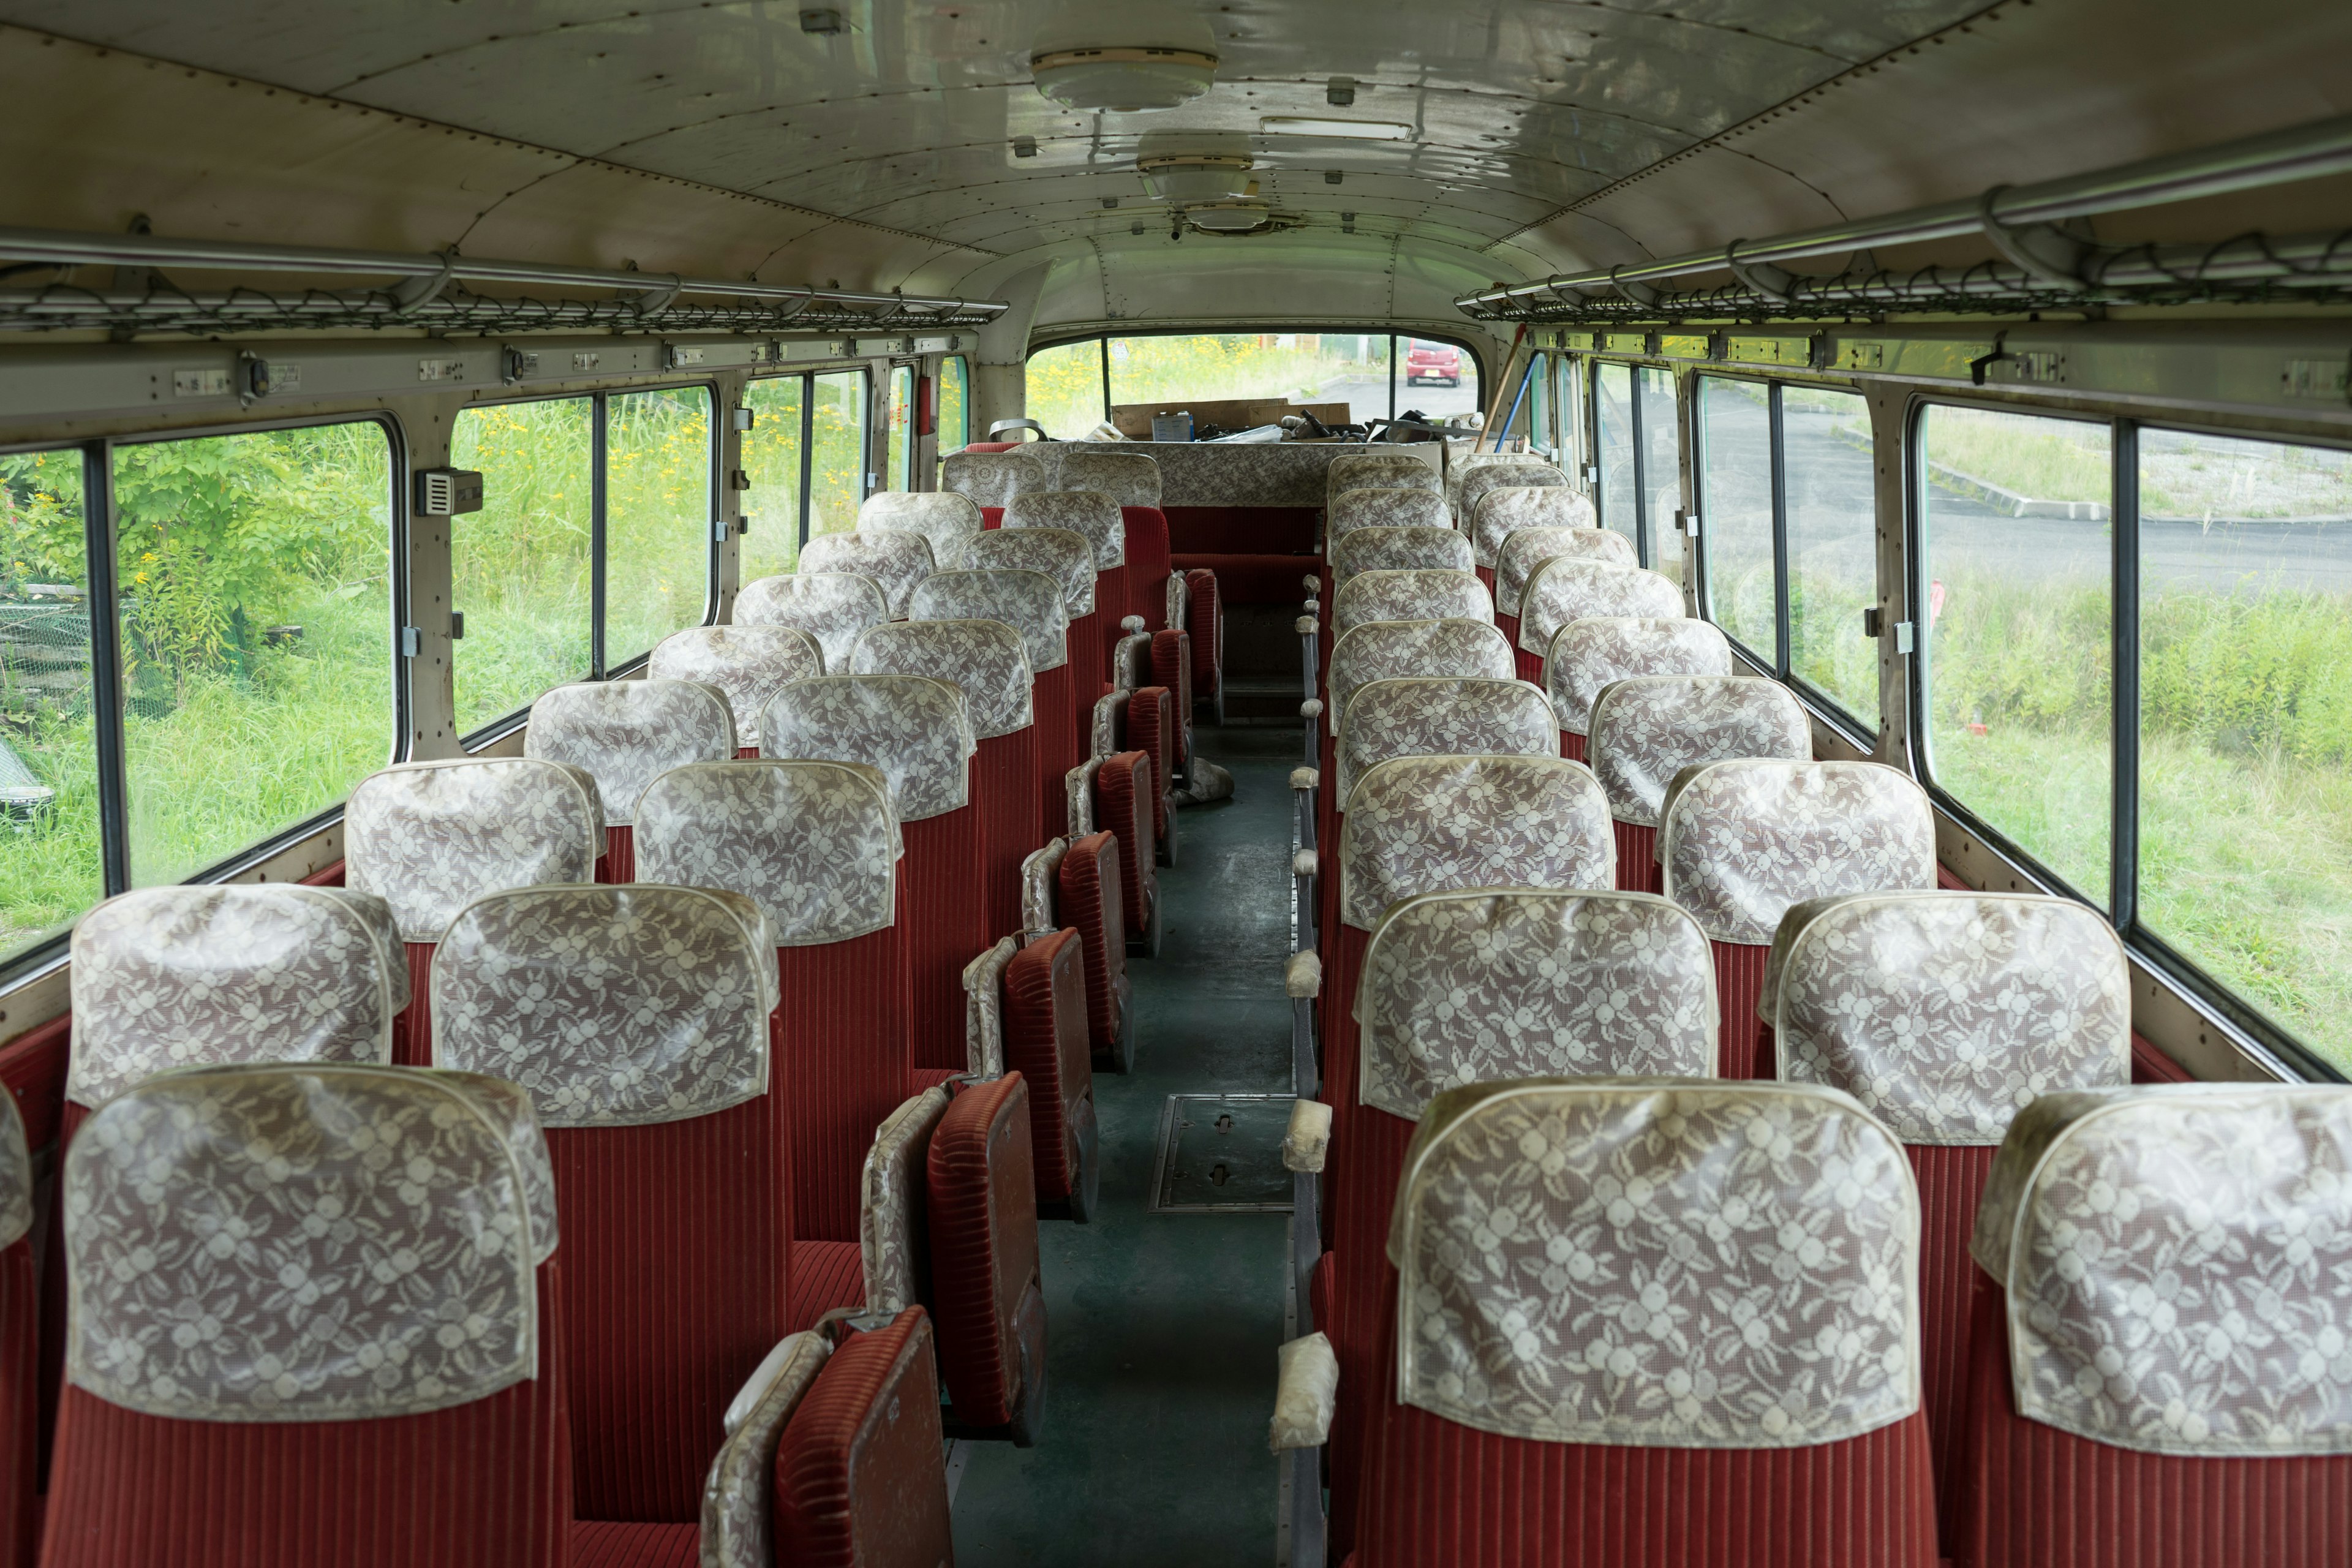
(1163, 1328)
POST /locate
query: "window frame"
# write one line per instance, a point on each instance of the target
(714, 481)
(939, 396)
(1776, 662)
(1394, 378)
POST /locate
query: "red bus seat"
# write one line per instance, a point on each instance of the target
(1131, 481)
(1439, 716)
(1409, 503)
(990, 480)
(1408, 596)
(858, 1475)
(1123, 787)
(946, 520)
(1074, 884)
(896, 562)
(1648, 727)
(1095, 518)
(1524, 550)
(1062, 716)
(747, 664)
(1039, 996)
(627, 734)
(1506, 500)
(1578, 587)
(834, 607)
(1585, 656)
(1398, 548)
(1171, 671)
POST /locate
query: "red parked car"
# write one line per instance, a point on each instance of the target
(1433, 362)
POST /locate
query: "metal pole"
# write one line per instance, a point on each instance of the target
(1104, 344)
(2123, 875)
(599, 447)
(97, 534)
(1781, 639)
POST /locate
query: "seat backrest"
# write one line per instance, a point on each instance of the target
(629, 732)
(15, 1176)
(857, 1475)
(1398, 549)
(738, 1526)
(1385, 650)
(1587, 655)
(1406, 503)
(1380, 471)
(1741, 841)
(1486, 986)
(1528, 498)
(1090, 514)
(1031, 602)
(992, 479)
(1130, 478)
(1570, 588)
(748, 664)
(1061, 553)
(1525, 550)
(831, 606)
(1438, 716)
(1461, 468)
(428, 839)
(230, 972)
(1703, 1209)
(896, 562)
(914, 729)
(1648, 727)
(2174, 1258)
(983, 659)
(1409, 596)
(942, 517)
(1947, 1013)
(814, 844)
(1431, 824)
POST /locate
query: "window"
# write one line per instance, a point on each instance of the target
(1659, 431)
(1612, 411)
(837, 446)
(1176, 371)
(1735, 475)
(775, 459)
(2019, 570)
(1438, 380)
(1829, 490)
(658, 518)
(899, 468)
(52, 865)
(955, 404)
(1064, 388)
(519, 567)
(1539, 426)
(254, 578)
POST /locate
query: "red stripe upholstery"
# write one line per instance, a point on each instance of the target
(1057, 745)
(1171, 668)
(1251, 579)
(411, 1038)
(33, 1070)
(619, 861)
(859, 1478)
(825, 1275)
(1571, 745)
(747, 754)
(1089, 673)
(1087, 900)
(1361, 1279)
(1242, 530)
(1508, 626)
(604, 1544)
(1204, 621)
(989, 446)
(1487, 576)
(943, 911)
(20, 1402)
(1528, 666)
(841, 1060)
(1003, 802)
(1951, 1178)
(990, 516)
(921, 1079)
(1110, 609)
(1123, 807)
(484, 1485)
(2033, 1497)
(1738, 979)
(1045, 1042)
(981, 1188)
(1147, 563)
(1638, 870)
(1151, 729)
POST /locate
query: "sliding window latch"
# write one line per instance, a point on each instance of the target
(1874, 627)
(1688, 522)
(719, 529)
(409, 640)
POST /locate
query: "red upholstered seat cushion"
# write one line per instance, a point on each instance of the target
(1152, 724)
(1147, 563)
(1087, 900)
(1738, 979)
(1204, 622)
(1004, 802)
(1194, 531)
(841, 1060)
(981, 1186)
(20, 1403)
(1171, 668)
(1111, 608)
(1123, 792)
(1572, 746)
(826, 1274)
(859, 1482)
(921, 1079)
(411, 1032)
(1509, 625)
(1526, 665)
(1045, 1041)
(1253, 579)
(1638, 870)
(605, 1544)
(619, 861)
(944, 914)
(1059, 748)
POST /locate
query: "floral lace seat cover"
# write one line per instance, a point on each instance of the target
(1351, 471)
(628, 734)
(1525, 550)
(1571, 587)
(429, 838)
(1061, 553)
(738, 1528)
(614, 1005)
(748, 664)
(15, 1176)
(1031, 602)
(1587, 655)
(1508, 500)
(1505, 467)
(1430, 824)
(1130, 478)
(1486, 985)
(1648, 727)
(983, 659)
(1385, 650)
(1405, 504)
(2174, 1257)
(1437, 716)
(992, 479)
(1742, 841)
(944, 518)
(814, 845)
(1092, 515)
(1406, 549)
(1409, 596)
(895, 561)
(891, 1200)
(220, 972)
(240, 1249)
(832, 606)
(914, 729)
(1657, 1262)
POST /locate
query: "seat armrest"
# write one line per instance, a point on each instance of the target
(1306, 1394)
(1302, 978)
(1308, 1143)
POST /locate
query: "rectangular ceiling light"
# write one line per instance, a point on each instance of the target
(1309, 125)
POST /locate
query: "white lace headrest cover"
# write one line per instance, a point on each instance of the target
(1462, 469)
(748, 664)
(1387, 499)
(1381, 471)
(429, 838)
(1946, 1013)
(983, 659)
(1371, 597)
(738, 1522)
(1407, 549)
(832, 606)
(1742, 841)
(1525, 550)
(629, 732)
(1425, 716)
(942, 517)
(1030, 603)
(1059, 553)
(1388, 650)
(1496, 502)
(1486, 986)
(1589, 654)
(1571, 588)
(896, 562)
(16, 1175)
(1130, 478)
(316, 1243)
(508, 1105)
(614, 1006)
(1430, 824)
(992, 479)
(1648, 727)
(2175, 1258)
(1657, 1263)
(984, 1010)
(271, 971)
(891, 1233)
(814, 844)
(918, 731)
(1090, 514)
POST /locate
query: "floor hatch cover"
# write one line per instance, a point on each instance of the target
(1223, 1152)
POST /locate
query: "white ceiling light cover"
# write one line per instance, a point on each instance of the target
(1354, 129)
(1181, 180)
(1123, 80)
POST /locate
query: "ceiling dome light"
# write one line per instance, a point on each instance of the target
(1125, 81)
(1239, 218)
(1182, 180)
